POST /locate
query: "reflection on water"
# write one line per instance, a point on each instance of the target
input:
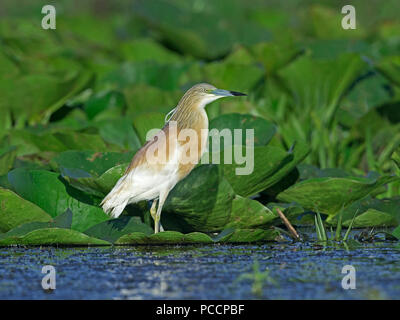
(298, 271)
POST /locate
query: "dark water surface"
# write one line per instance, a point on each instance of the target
(296, 271)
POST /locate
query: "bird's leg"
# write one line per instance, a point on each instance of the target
(153, 210)
(157, 224)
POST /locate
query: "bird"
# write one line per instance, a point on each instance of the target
(164, 160)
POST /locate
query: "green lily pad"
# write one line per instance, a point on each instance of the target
(390, 68)
(329, 195)
(16, 211)
(318, 85)
(7, 158)
(233, 76)
(84, 169)
(396, 233)
(64, 220)
(114, 229)
(102, 101)
(370, 213)
(95, 185)
(207, 34)
(247, 213)
(263, 129)
(271, 164)
(165, 237)
(202, 200)
(50, 193)
(29, 142)
(144, 98)
(148, 50)
(120, 132)
(43, 93)
(163, 76)
(148, 121)
(273, 56)
(174, 237)
(53, 236)
(94, 163)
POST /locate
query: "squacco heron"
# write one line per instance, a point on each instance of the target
(166, 159)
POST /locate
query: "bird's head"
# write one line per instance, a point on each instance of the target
(204, 93)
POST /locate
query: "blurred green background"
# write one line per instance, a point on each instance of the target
(113, 69)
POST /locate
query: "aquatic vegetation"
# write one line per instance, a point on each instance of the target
(76, 104)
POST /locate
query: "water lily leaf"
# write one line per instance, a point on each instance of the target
(16, 211)
(207, 34)
(146, 49)
(7, 158)
(396, 233)
(370, 213)
(64, 220)
(50, 193)
(94, 163)
(367, 94)
(53, 236)
(373, 218)
(120, 132)
(163, 76)
(263, 130)
(114, 229)
(202, 200)
(105, 100)
(318, 85)
(247, 213)
(323, 20)
(174, 237)
(293, 212)
(43, 93)
(273, 56)
(308, 171)
(329, 195)
(144, 98)
(270, 164)
(148, 121)
(92, 175)
(390, 68)
(165, 237)
(29, 142)
(233, 76)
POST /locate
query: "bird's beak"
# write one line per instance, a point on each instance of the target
(226, 93)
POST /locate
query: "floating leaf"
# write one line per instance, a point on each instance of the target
(64, 220)
(202, 200)
(146, 122)
(262, 129)
(318, 85)
(50, 193)
(16, 211)
(114, 229)
(165, 237)
(269, 164)
(371, 212)
(329, 195)
(53, 236)
(247, 213)
(7, 158)
(105, 100)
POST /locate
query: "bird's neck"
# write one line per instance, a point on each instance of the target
(191, 115)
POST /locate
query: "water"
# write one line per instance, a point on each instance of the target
(296, 271)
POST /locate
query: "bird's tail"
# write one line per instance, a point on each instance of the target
(117, 199)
